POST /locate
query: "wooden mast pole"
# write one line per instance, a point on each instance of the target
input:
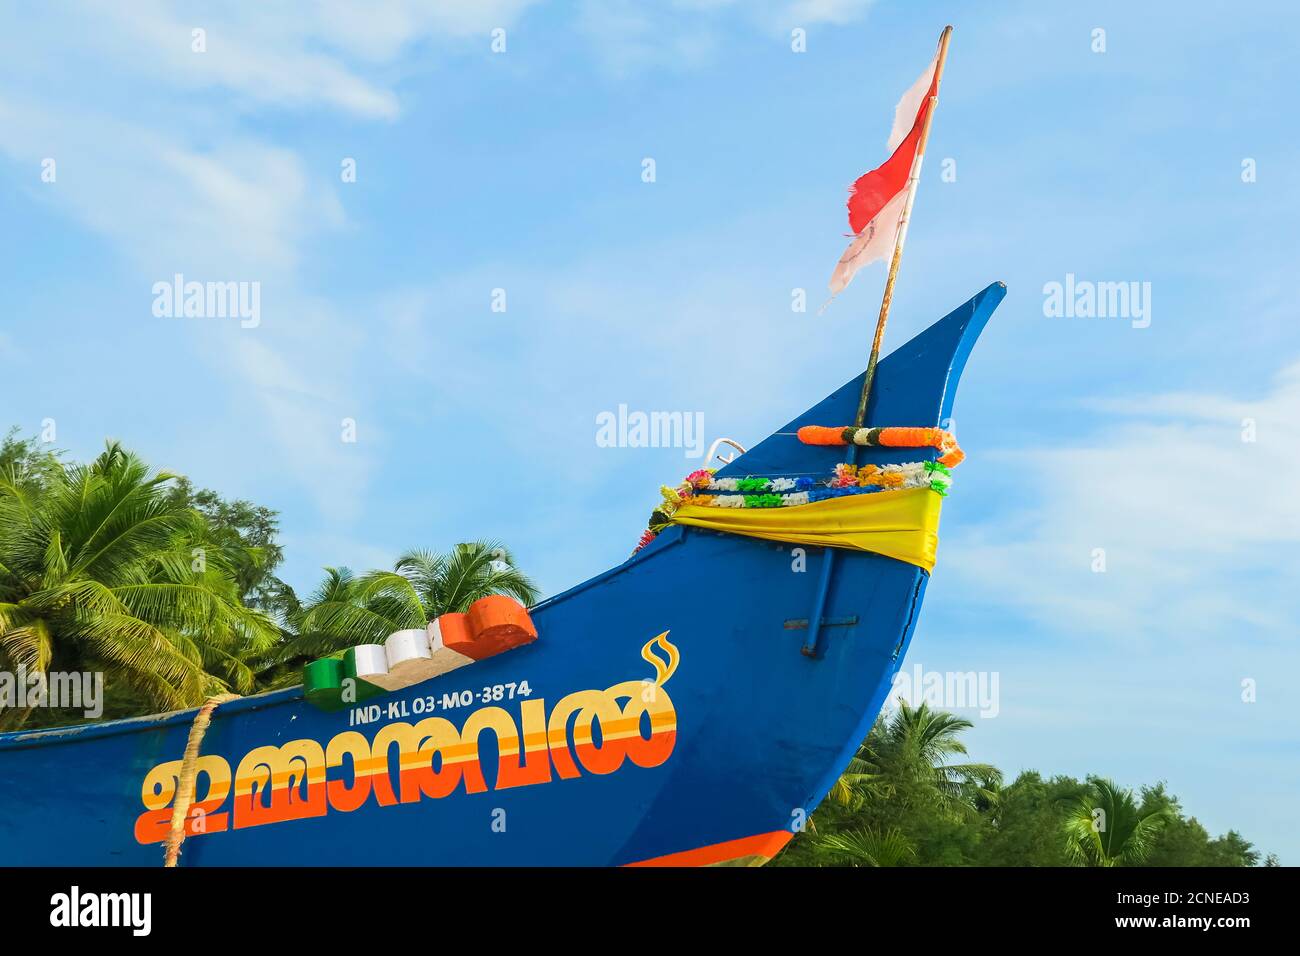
(914, 177)
(812, 643)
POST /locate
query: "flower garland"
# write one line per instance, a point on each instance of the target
(672, 500)
(913, 474)
(758, 485)
(792, 492)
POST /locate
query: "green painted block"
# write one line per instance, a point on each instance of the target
(322, 682)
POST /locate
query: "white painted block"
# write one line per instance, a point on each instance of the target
(407, 645)
(371, 661)
(409, 660)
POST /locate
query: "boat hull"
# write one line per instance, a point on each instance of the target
(594, 745)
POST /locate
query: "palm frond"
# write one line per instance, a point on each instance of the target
(869, 846)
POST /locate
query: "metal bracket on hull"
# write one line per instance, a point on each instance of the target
(800, 623)
(812, 643)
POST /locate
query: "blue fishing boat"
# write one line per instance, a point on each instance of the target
(691, 706)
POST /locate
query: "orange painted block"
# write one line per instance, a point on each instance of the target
(493, 624)
(456, 635)
(498, 624)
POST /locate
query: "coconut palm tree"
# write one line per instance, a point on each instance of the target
(101, 570)
(348, 609)
(1106, 828)
(854, 784)
(905, 759)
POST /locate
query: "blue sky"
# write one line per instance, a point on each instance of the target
(522, 171)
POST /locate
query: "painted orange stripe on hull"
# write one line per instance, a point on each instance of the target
(765, 844)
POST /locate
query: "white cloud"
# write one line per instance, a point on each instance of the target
(169, 175)
(260, 51)
(324, 53)
(302, 415)
(155, 151)
(629, 36)
(380, 30)
(241, 208)
(1198, 526)
(807, 12)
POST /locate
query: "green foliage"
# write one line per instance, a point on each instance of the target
(245, 535)
(102, 569)
(869, 847)
(904, 801)
(346, 610)
(28, 466)
(170, 591)
(1024, 828)
(1106, 827)
(1183, 841)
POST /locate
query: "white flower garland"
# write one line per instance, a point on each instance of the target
(770, 485)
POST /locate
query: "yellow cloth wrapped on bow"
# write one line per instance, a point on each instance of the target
(898, 524)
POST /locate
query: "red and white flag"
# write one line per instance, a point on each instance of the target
(877, 199)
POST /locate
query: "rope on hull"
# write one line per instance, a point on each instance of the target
(189, 770)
